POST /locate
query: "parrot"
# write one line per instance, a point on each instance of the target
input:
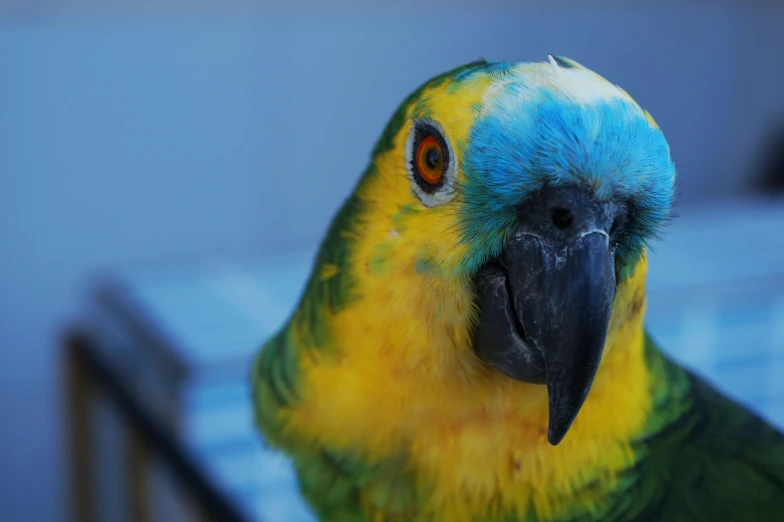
(470, 343)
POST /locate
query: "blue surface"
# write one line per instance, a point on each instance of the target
(716, 303)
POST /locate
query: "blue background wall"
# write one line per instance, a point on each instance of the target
(131, 134)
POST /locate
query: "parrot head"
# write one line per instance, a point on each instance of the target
(530, 188)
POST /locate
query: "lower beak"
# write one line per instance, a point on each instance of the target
(545, 314)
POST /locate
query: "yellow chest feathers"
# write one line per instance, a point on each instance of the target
(408, 384)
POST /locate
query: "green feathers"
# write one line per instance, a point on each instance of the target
(703, 458)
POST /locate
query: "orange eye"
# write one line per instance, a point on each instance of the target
(429, 160)
(430, 165)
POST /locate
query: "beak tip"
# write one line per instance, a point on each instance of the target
(555, 434)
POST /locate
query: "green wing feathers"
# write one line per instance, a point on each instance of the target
(705, 457)
(275, 380)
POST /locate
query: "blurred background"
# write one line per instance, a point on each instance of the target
(190, 153)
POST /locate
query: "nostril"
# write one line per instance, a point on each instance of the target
(615, 226)
(562, 218)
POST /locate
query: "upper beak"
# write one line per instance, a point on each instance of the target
(546, 311)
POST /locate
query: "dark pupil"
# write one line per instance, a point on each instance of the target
(432, 158)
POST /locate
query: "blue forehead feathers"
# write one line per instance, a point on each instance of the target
(608, 145)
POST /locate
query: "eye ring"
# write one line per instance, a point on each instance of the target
(431, 163)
